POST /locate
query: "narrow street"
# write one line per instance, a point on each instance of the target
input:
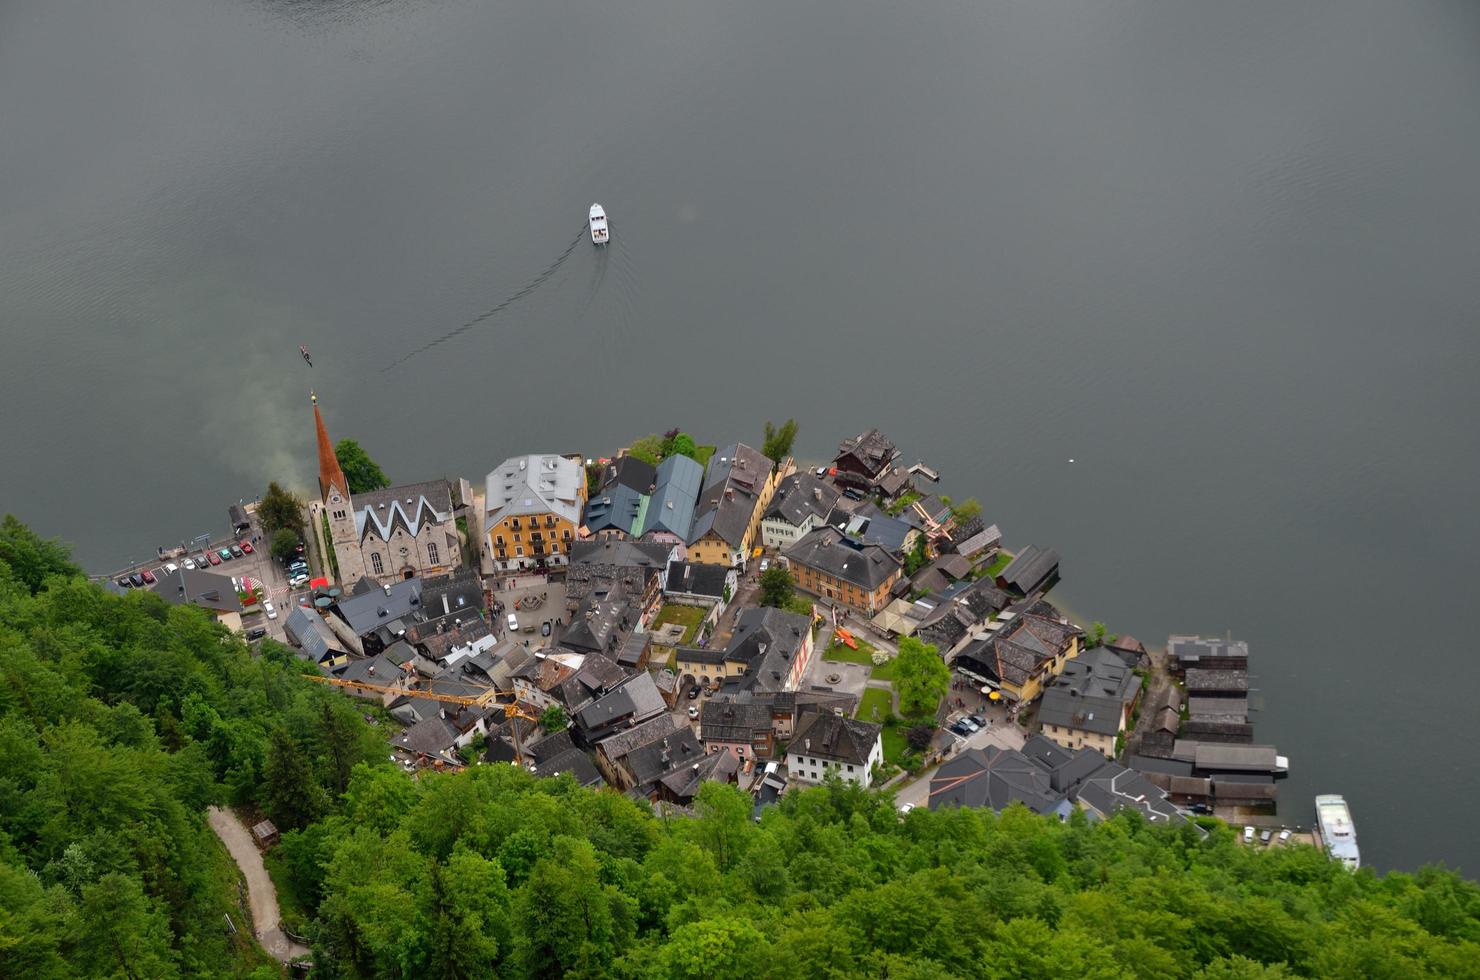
(263, 896)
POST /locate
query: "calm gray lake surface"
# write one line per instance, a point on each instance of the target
(1221, 255)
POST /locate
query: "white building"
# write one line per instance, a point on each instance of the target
(825, 743)
(802, 502)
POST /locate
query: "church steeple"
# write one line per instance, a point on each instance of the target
(330, 475)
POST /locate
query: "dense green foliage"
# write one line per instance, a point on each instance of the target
(921, 678)
(284, 545)
(777, 587)
(121, 718)
(281, 508)
(777, 440)
(967, 509)
(361, 472)
(649, 449)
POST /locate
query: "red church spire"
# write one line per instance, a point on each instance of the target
(330, 475)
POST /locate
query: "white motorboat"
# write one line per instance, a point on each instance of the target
(599, 232)
(1337, 833)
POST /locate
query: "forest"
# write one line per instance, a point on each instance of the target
(122, 718)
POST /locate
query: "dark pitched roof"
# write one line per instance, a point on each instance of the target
(550, 746)
(637, 698)
(616, 508)
(1031, 569)
(834, 737)
(379, 513)
(686, 578)
(188, 586)
(994, 778)
(444, 595)
(684, 783)
(871, 448)
(649, 762)
(671, 508)
(309, 631)
(601, 623)
(572, 761)
(381, 605)
(432, 736)
(729, 721)
(629, 471)
(1069, 709)
(800, 496)
(870, 525)
(618, 745)
(732, 486)
(620, 554)
(767, 641)
(828, 550)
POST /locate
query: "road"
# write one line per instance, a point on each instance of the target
(265, 916)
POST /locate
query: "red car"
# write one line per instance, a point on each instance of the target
(148, 576)
(213, 558)
(246, 546)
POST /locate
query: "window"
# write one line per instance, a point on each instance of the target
(519, 550)
(515, 523)
(432, 554)
(850, 768)
(339, 515)
(376, 564)
(499, 540)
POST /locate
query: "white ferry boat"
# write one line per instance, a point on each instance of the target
(599, 233)
(1336, 832)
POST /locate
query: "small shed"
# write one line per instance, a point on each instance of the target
(265, 834)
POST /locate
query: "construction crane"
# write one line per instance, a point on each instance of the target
(484, 699)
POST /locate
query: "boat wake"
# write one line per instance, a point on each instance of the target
(523, 291)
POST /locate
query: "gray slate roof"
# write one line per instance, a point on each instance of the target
(871, 448)
(833, 737)
(1032, 567)
(867, 566)
(869, 524)
(572, 761)
(637, 698)
(678, 750)
(375, 607)
(616, 508)
(685, 578)
(671, 507)
(536, 484)
(800, 496)
(629, 471)
(188, 586)
(309, 631)
(732, 487)
(730, 721)
(409, 506)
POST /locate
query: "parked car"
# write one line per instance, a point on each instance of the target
(123, 582)
(148, 576)
(171, 568)
(1248, 835)
(268, 608)
(1202, 808)
(513, 623)
(214, 558)
(852, 494)
(545, 628)
(226, 554)
(969, 725)
(188, 563)
(1265, 837)
(765, 564)
(693, 711)
(256, 632)
(1285, 836)
(236, 551)
(136, 580)
(905, 808)
(821, 472)
(297, 581)
(959, 729)
(247, 546)
(979, 721)
(693, 692)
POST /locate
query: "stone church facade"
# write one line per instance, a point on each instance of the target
(396, 533)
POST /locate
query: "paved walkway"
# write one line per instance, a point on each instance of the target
(265, 915)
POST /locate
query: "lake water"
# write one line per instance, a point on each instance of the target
(1220, 255)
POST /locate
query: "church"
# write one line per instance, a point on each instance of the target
(391, 534)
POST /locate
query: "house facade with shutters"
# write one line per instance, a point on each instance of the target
(532, 511)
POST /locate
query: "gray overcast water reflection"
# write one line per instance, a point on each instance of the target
(1222, 255)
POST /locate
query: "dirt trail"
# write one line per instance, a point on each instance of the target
(263, 896)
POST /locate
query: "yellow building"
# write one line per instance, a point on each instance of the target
(532, 511)
(1021, 656)
(830, 564)
(738, 488)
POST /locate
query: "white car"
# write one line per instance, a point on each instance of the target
(1249, 835)
(172, 568)
(188, 563)
(693, 711)
(268, 608)
(1284, 837)
(765, 564)
(905, 808)
(513, 623)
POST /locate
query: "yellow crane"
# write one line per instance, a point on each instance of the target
(483, 699)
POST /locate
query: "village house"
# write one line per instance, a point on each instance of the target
(975, 540)
(393, 533)
(532, 511)
(865, 461)
(216, 594)
(1021, 655)
(826, 743)
(615, 512)
(613, 751)
(742, 728)
(1033, 570)
(1090, 703)
(802, 503)
(769, 651)
(867, 524)
(830, 564)
(738, 487)
(631, 472)
(669, 513)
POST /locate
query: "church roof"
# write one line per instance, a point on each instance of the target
(329, 472)
(411, 506)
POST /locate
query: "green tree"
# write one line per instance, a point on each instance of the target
(921, 678)
(569, 922)
(916, 558)
(649, 449)
(290, 793)
(967, 509)
(776, 444)
(552, 719)
(777, 587)
(123, 932)
(716, 949)
(1096, 635)
(280, 508)
(362, 472)
(32, 558)
(284, 544)
(683, 445)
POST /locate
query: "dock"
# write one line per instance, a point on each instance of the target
(928, 472)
